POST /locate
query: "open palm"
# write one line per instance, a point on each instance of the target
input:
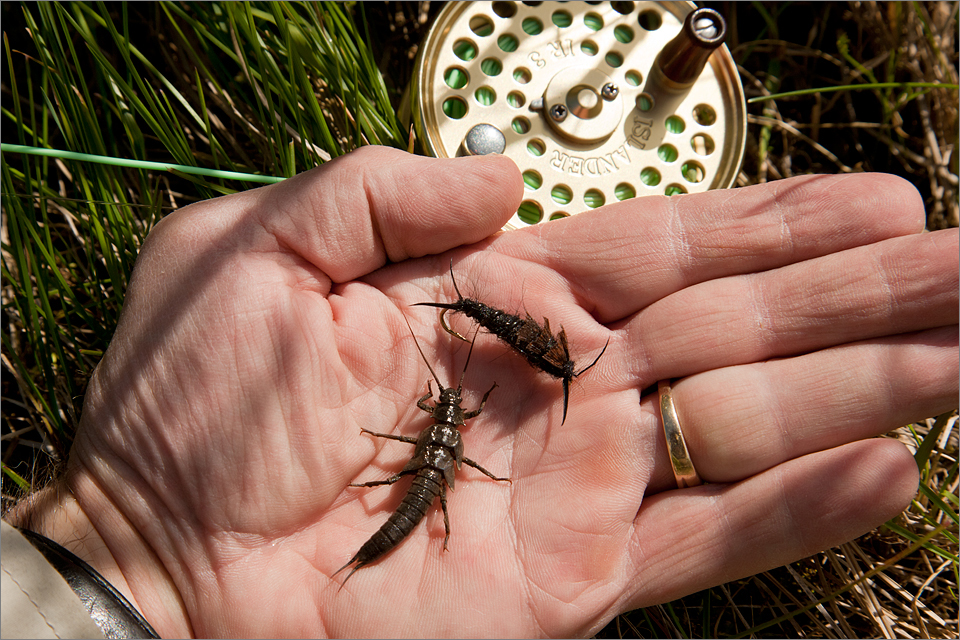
(261, 332)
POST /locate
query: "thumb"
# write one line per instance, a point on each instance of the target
(351, 215)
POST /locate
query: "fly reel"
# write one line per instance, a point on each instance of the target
(595, 101)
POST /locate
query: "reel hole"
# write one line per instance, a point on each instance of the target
(704, 115)
(516, 99)
(456, 77)
(613, 59)
(623, 8)
(522, 75)
(645, 102)
(536, 147)
(593, 21)
(530, 212)
(623, 34)
(562, 19)
(667, 153)
(508, 42)
(485, 96)
(531, 26)
(561, 194)
(650, 177)
(465, 50)
(624, 191)
(693, 172)
(559, 215)
(504, 9)
(532, 180)
(491, 66)
(589, 47)
(650, 20)
(454, 108)
(481, 25)
(520, 124)
(594, 198)
(674, 190)
(634, 78)
(675, 124)
(702, 144)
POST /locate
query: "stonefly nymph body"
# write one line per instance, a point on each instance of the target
(436, 459)
(535, 342)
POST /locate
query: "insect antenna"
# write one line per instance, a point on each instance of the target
(443, 321)
(455, 287)
(469, 353)
(427, 362)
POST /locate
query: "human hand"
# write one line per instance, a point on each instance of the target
(262, 331)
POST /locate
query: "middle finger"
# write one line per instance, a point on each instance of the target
(890, 287)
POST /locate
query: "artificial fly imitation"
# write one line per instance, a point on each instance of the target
(535, 342)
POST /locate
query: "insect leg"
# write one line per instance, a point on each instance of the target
(474, 414)
(390, 436)
(390, 480)
(422, 402)
(446, 516)
(485, 472)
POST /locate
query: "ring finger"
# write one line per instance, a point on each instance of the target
(741, 420)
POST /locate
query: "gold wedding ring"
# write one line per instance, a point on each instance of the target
(680, 460)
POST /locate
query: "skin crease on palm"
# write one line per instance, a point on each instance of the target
(262, 331)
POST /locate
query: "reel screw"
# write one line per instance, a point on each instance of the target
(558, 112)
(609, 91)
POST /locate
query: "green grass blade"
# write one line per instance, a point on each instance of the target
(13, 475)
(926, 446)
(139, 164)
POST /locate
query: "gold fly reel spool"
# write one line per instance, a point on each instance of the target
(574, 93)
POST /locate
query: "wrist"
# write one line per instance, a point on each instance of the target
(55, 514)
(102, 538)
